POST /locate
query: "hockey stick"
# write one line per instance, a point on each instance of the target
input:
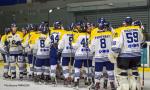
(143, 66)
(71, 47)
(87, 44)
(87, 51)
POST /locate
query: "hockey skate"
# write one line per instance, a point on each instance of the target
(67, 82)
(46, 79)
(21, 76)
(6, 76)
(37, 79)
(30, 77)
(13, 76)
(76, 85)
(54, 81)
(105, 83)
(135, 83)
(123, 83)
(97, 86)
(113, 87)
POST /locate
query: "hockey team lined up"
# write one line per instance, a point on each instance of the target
(53, 51)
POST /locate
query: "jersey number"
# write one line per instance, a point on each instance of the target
(70, 40)
(84, 42)
(53, 38)
(42, 43)
(132, 37)
(103, 43)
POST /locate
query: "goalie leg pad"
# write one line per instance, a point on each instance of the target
(123, 81)
(135, 83)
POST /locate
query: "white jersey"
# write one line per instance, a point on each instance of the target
(82, 50)
(12, 39)
(65, 45)
(127, 41)
(101, 46)
(42, 49)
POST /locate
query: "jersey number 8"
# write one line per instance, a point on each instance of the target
(42, 43)
(103, 43)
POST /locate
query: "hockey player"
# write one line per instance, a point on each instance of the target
(42, 56)
(27, 41)
(67, 54)
(93, 31)
(24, 52)
(101, 46)
(55, 36)
(77, 26)
(5, 55)
(32, 59)
(126, 49)
(82, 54)
(15, 50)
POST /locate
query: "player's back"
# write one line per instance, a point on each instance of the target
(130, 39)
(65, 44)
(101, 45)
(42, 49)
(81, 46)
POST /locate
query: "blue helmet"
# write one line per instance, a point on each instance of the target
(137, 23)
(13, 25)
(44, 23)
(79, 23)
(71, 27)
(30, 27)
(57, 25)
(101, 20)
(7, 30)
(128, 20)
(101, 26)
(43, 28)
(84, 27)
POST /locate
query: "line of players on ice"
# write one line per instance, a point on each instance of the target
(82, 45)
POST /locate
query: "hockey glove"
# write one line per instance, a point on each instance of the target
(6, 43)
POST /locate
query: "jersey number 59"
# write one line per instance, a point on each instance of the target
(132, 37)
